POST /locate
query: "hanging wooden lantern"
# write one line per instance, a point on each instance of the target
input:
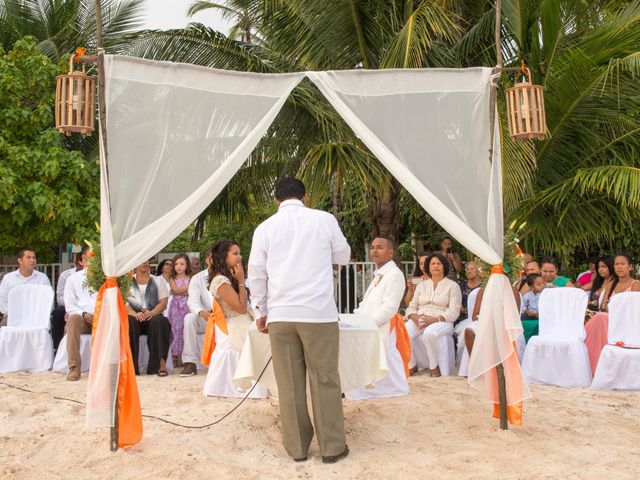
(525, 107)
(75, 101)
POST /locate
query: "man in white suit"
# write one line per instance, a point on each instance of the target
(381, 302)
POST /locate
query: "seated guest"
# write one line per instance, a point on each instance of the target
(602, 280)
(530, 267)
(473, 281)
(530, 305)
(79, 303)
(381, 302)
(58, 322)
(549, 272)
(195, 265)
(597, 328)
(585, 278)
(25, 274)
(227, 285)
(433, 310)
(145, 306)
(195, 322)
(419, 274)
(454, 261)
(623, 280)
(163, 270)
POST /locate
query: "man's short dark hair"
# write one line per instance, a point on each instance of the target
(24, 250)
(288, 188)
(389, 240)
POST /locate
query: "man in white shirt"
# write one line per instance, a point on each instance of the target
(80, 303)
(381, 302)
(195, 322)
(291, 278)
(25, 274)
(58, 322)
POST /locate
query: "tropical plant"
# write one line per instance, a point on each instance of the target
(48, 195)
(242, 12)
(60, 26)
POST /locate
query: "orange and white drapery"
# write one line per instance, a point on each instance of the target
(498, 328)
(177, 134)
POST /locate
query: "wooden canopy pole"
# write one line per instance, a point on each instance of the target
(502, 389)
(102, 115)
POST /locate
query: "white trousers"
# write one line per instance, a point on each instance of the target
(194, 325)
(430, 337)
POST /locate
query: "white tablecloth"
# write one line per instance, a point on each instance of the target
(362, 361)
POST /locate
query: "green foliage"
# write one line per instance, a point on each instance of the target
(95, 274)
(48, 195)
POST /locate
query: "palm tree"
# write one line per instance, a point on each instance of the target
(60, 26)
(242, 12)
(585, 174)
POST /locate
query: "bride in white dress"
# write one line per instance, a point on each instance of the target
(226, 284)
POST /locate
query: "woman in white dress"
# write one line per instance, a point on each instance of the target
(434, 308)
(227, 286)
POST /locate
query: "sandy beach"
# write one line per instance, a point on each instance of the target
(443, 429)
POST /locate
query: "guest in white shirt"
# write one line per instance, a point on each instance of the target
(80, 303)
(434, 308)
(25, 274)
(195, 323)
(381, 302)
(291, 278)
(58, 322)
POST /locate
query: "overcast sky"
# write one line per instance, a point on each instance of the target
(166, 14)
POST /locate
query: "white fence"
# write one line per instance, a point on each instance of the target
(350, 281)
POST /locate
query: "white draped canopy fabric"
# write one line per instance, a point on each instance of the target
(177, 133)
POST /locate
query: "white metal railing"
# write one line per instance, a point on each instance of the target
(352, 280)
(51, 270)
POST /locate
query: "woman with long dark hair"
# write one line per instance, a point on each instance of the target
(419, 274)
(597, 329)
(227, 286)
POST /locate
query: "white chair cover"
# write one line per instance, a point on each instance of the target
(25, 343)
(459, 330)
(60, 363)
(419, 357)
(143, 355)
(393, 385)
(558, 355)
(223, 365)
(618, 367)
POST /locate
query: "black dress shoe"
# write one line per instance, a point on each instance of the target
(335, 458)
(301, 459)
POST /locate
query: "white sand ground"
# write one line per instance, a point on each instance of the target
(443, 429)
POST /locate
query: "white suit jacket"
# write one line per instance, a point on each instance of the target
(199, 297)
(382, 299)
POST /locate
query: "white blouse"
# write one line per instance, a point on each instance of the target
(445, 300)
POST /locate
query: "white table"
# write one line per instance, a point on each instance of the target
(362, 361)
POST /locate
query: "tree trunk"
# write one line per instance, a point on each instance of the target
(385, 215)
(336, 187)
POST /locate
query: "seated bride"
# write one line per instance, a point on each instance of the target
(227, 285)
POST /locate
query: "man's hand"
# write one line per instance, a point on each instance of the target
(204, 314)
(261, 323)
(88, 317)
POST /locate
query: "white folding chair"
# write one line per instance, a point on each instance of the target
(25, 343)
(558, 355)
(60, 363)
(619, 366)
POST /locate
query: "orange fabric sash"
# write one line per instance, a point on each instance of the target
(403, 341)
(129, 410)
(515, 412)
(209, 342)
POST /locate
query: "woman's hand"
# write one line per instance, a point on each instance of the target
(238, 273)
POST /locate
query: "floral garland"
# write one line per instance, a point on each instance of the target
(96, 277)
(513, 260)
